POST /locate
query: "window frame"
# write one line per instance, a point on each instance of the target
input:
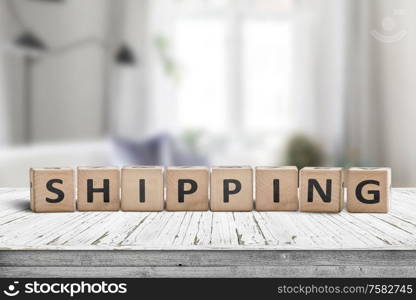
(234, 16)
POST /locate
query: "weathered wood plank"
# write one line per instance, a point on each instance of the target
(212, 272)
(22, 229)
(164, 258)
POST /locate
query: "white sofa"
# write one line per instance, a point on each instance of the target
(15, 162)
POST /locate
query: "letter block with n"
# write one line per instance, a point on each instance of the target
(187, 188)
(321, 190)
(232, 188)
(98, 189)
(52, 190)
(368, 190)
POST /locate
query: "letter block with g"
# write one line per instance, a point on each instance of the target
(368, 190)
(52, 190)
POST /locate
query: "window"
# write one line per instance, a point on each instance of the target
(267, 74)
(235, 64)
(199, 48)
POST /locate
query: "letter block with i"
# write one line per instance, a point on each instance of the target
(276, 188)
(232, 189)
(98, 189)
(321, 190)
(187, 188)
(52, 190)
(368, 190)
(142, 188)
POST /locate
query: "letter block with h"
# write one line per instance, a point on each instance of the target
(52, 190)
(321, 190)
(232, 188)
(187, 188)
(368, 190)
(98, 189)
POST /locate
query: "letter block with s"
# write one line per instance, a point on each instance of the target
(232, 188)
(98, 189)
(187, 188)
(368, 190)
(321, 190)
(52, 190)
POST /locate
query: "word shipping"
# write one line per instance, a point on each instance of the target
(240, 188)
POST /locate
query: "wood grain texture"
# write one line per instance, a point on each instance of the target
(330, 182)
(43, 194)
(195, 200)
(370, 184)
(98, 177)
(286, 190)
(238, 180)
(145, 180)
(208, 244)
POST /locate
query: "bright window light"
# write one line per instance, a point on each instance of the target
(201, 94)
(267, 74)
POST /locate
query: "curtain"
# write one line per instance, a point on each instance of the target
(355, 74)
(3, 103)
(319, 73)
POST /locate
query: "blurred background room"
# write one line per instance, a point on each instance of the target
(207, 82)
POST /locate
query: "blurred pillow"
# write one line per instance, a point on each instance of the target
(161, 149)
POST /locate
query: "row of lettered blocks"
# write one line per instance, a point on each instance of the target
(142, 188)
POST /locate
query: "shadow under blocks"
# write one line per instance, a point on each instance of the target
(220, 188)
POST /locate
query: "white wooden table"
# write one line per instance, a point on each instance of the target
(206, 244)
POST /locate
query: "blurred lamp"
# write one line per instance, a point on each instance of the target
(32, 44)
(125, 56)
(30, 41)
(34, 49)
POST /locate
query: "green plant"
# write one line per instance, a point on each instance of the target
(192, 137)
(169, 64)
(302, 151)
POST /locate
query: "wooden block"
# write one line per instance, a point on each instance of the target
(276, 188)
(52, 190)
(321, 190)
(187, 188)
(232, 188)
(368, 190)
(142, 188)
(98, 188)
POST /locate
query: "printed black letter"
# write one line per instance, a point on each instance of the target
(91, 190)
(276, 190)
(326, 197)
(51, 188)
(181, 188)
(227, 191)
(359, 191)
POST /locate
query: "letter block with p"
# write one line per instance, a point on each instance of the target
(98, 189)
(321, 189)
(368, 190)
(52, 190)
(187, 188)
(232, 189)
